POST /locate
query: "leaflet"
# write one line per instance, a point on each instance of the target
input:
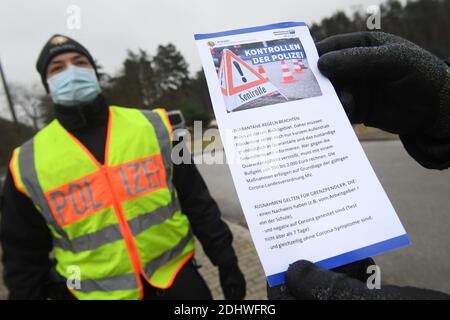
(305, 185)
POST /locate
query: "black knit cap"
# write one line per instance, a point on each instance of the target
(56, 45)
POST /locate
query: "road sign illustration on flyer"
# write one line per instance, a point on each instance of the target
(240, 83)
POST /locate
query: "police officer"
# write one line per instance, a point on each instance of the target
(389, 83)
(98, 189)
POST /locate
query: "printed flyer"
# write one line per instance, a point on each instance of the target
(305, 185)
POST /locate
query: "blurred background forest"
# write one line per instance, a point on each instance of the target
(164, 79)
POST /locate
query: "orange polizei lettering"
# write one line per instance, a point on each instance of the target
(78, 199)
(83, 197)
(138, 177)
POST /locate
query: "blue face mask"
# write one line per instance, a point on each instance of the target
(74, 86)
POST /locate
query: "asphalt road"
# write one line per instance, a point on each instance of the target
(420, 197)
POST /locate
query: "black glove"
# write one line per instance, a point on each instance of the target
(305, 280)
(387, 82)
(232, 281)
(356, 270)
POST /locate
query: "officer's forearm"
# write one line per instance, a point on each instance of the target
(204, 214)
(26, 243)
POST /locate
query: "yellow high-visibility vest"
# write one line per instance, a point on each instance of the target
(114, 222)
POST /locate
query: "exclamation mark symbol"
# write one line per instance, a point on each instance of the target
(238, 67)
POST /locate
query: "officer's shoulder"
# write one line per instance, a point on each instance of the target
(40, 133)
(125, 110)
(133, 109)
(46, 129)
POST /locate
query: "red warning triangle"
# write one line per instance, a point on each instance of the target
(239, 74)
(223, 85)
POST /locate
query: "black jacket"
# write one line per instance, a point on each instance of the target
(27, 242)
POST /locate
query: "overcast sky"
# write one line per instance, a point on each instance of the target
(108, 28)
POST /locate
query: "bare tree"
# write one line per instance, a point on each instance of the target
(28, 104)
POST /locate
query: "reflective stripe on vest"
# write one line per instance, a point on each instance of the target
(121, 282)
(118, 221)
(112, 233)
